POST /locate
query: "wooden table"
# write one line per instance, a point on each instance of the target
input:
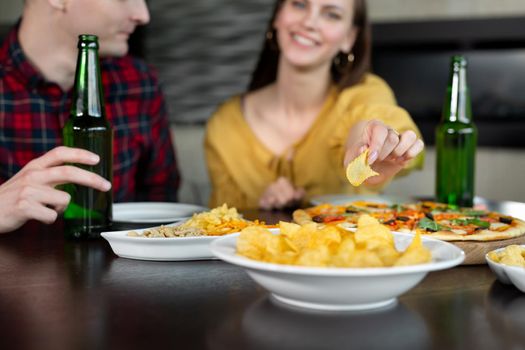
(56, 294)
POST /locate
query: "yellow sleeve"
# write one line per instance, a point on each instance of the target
(373, 99)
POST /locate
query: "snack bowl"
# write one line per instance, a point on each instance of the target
(159, 249)
(340, 289)
(507, 274)
(517, 276)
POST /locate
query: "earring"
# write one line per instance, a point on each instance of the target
(343, 61)
(271, 39)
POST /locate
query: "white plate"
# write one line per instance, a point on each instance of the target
(153, 212)
(161, 249)
(334, 289)
(508, 274)
(341, 199)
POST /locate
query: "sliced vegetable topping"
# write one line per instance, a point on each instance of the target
(474, 221)
(505, 220)
(318, 218)
(470, 212)
(430, 225)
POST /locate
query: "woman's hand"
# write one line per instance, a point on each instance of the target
(389, 151)
(280, 194)
(31, 193)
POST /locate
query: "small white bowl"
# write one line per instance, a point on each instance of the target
(335, 289)
(159, 249)
(517, 276)
(507, 274)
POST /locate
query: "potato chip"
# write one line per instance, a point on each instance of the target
(328, 236)
(218, 221)
(372, 245)
(345, 252)
(512, 255)
(358, 169)
(371, 232)
(294, 236)
(494, 256)
(387, 254)
(365, 220)
(252, 242)
(416, 253)
(319, 256)
(365, 258)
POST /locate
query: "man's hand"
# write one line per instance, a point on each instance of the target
(31, 193)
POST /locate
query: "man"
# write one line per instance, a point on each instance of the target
(37, 68)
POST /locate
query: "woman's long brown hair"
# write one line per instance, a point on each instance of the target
(266, 70)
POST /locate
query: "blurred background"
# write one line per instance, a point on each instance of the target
(205, 50)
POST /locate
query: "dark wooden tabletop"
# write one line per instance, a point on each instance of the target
(57, 294)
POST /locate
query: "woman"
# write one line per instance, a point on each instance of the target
(311, 108)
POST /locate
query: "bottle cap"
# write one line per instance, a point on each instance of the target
(89, 41)
(458, 62)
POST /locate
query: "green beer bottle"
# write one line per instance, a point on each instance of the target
(456, 138)
(90, 210)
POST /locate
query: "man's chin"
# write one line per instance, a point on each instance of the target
(114, 50)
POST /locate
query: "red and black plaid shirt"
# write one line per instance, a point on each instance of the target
(33, 112)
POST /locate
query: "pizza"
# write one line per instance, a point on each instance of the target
(397, 217)
(441, 221)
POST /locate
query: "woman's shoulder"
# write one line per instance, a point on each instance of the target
(239, 106)
(226, 112)
(371, 89)
(370, 81)
(227, 107)
(227, 124)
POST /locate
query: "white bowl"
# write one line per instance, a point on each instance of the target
(334, 289)
(507, 274)
(159, 249)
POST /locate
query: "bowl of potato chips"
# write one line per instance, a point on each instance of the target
(508, 263)
(328, 268)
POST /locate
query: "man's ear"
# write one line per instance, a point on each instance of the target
(60, 5)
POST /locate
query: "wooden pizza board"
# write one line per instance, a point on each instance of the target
(475, 251)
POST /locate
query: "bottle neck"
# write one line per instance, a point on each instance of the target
(87, 94)
(458, 108)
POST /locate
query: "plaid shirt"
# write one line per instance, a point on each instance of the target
(33, 112)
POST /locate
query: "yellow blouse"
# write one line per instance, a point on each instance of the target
(241, 167)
